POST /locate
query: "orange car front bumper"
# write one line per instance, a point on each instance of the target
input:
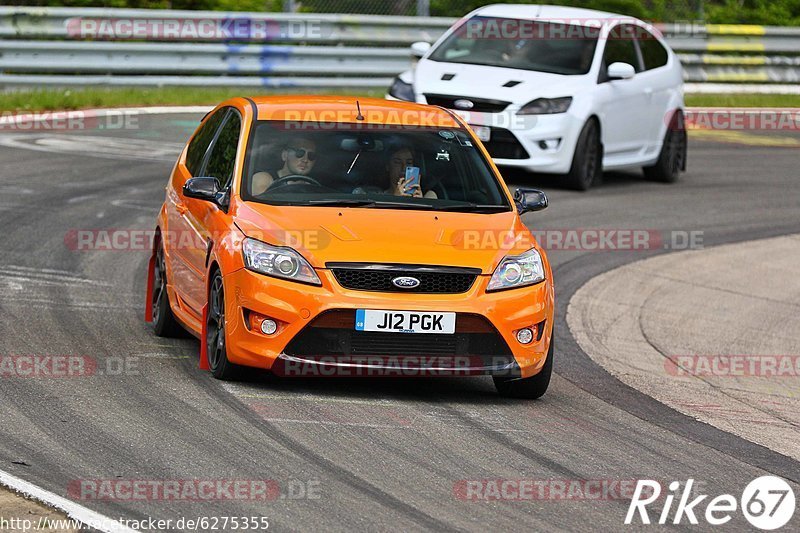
(483, 319)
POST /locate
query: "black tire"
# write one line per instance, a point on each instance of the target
(587, 162)
(672, 158)
(164, 322)
(216, 349)
(528, 388)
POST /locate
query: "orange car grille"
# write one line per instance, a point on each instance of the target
(364, 278)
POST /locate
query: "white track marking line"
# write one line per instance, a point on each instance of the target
(158, 355)
(77, 199)
(132, 204)
(36, 270)
(86, 145)
(47, 303)
(49, 278)
(77, 512)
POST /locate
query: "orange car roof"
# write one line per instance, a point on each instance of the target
(344, 109)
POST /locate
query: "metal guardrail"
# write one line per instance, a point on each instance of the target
(222, 49)
(273, 82)
(63, 23)
(197, 58)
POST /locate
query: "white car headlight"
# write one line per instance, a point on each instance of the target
(546, 106)
(517, 271)
(278, 262)
(402, 90)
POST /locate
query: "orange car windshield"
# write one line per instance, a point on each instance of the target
(360, 166)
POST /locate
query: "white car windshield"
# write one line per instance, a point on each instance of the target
(370, 165)
(521, 44)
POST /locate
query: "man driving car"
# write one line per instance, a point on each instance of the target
(298, 159)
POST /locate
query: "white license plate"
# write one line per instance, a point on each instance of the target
(405, 321)
(484, 133)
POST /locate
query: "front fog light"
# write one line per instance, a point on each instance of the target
(549, 144)
(268, 327)
(524, 336)
(258, 322)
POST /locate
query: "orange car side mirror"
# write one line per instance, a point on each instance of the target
(530, 200)
(206, 188)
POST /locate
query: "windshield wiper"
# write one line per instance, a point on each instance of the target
(346, 202)
(492, 208)
(343, 202)
(400, 205)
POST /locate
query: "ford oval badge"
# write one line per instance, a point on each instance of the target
(405, 282)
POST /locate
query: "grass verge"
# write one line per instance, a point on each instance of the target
(743, 100)
(68, 99)
(51, 99)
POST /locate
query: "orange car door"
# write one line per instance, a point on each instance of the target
(184, 240)
(208, 220)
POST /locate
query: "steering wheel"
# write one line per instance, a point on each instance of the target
(282, 182)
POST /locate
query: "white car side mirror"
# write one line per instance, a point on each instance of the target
(620, 71)
(420, 48)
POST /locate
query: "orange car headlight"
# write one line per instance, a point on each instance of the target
(278, 262)
(517, 271)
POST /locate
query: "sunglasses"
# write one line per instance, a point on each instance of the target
(300, 152)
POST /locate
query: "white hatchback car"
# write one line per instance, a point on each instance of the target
(558, 90)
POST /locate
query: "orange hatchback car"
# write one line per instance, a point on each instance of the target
(330, 236)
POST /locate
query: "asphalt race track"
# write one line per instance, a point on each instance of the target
(377, 454)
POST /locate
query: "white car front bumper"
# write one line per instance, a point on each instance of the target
(538, 143)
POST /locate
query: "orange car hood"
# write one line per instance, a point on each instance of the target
(329, 234)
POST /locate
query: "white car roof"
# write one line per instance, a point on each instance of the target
(573, 15)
